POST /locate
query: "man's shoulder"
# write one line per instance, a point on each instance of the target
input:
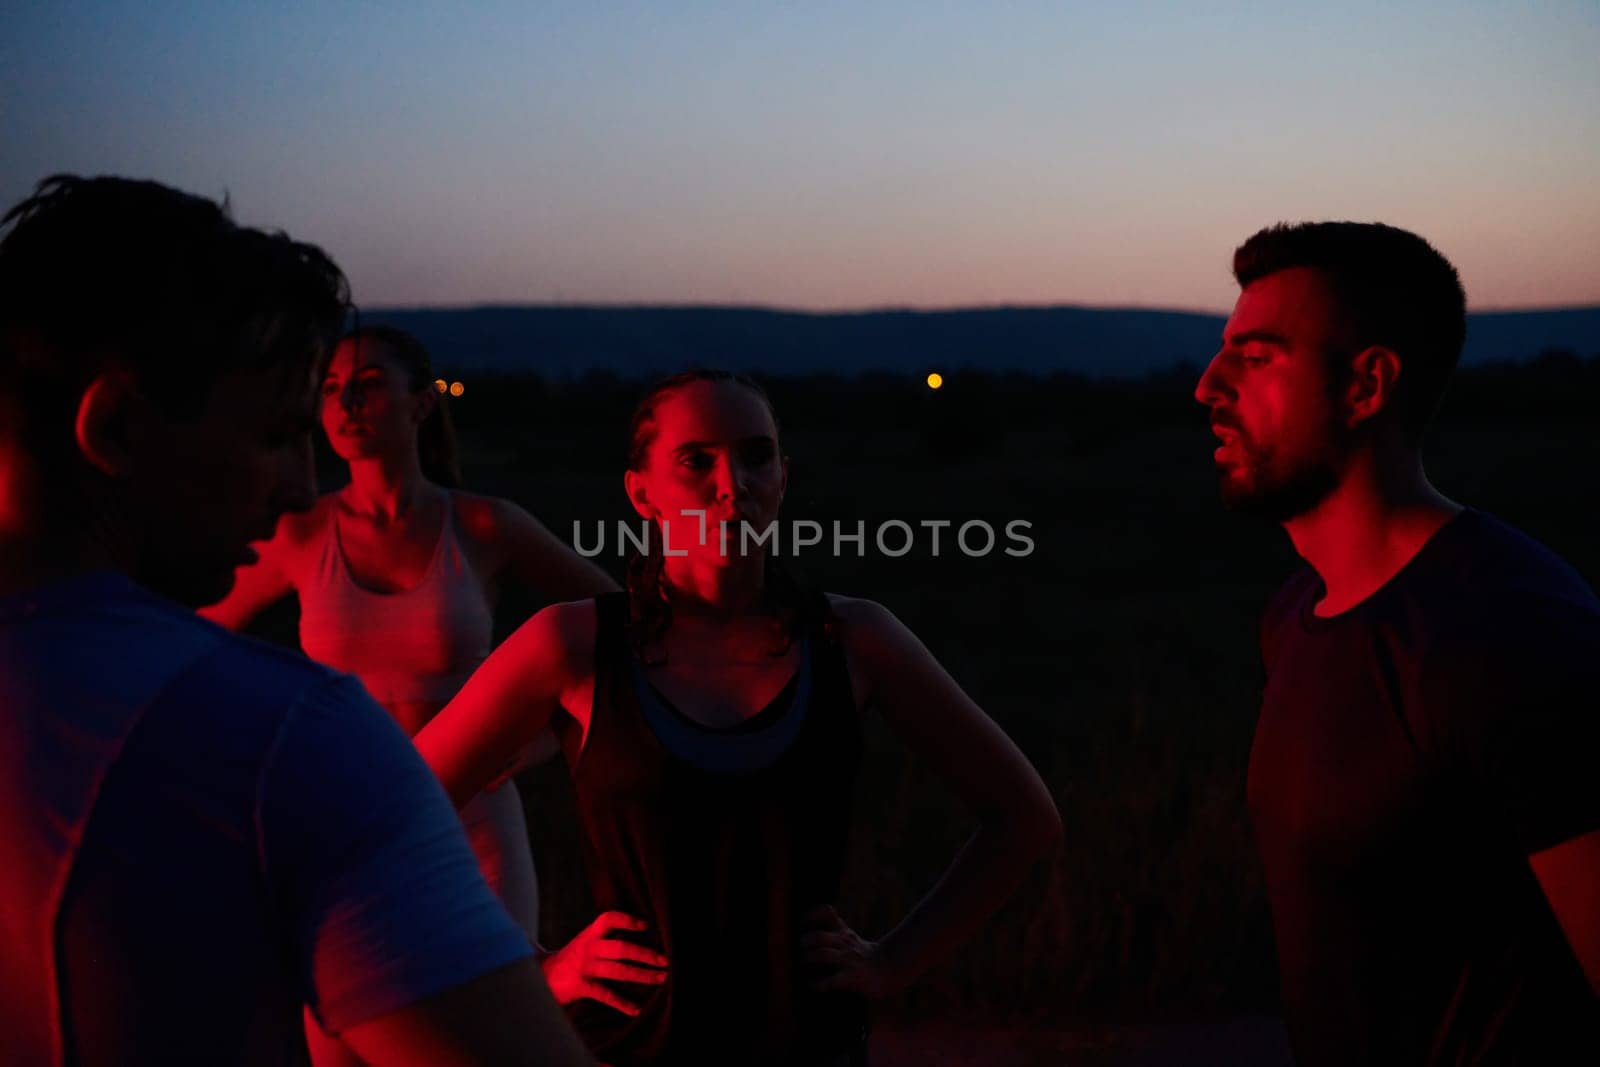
(258, 659)
(111, 634)
(1492, 582)
(248, 659)
(1496, 612)
(1498, 557)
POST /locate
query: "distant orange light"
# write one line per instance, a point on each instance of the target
(456, 388)
(441, 385)
(935, 380)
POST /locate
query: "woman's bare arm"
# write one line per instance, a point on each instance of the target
(538, 670)
(973, 757)
(538, 560)
(258, 585)
(546, 665)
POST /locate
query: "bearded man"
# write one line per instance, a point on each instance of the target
(1423, 779)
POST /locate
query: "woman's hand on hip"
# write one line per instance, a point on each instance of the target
(580, 969)
(841, 959)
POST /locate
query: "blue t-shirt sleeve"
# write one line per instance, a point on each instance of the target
(369, 865)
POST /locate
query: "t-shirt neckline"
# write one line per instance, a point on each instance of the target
(1311, 622)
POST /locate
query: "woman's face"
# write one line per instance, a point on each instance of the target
(715, 451)
(368, 409)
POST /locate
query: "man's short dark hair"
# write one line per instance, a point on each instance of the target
(102, 272)
(1392, 289)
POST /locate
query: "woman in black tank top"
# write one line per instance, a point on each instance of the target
(710, 716)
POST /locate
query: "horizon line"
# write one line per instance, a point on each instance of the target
(891, 309)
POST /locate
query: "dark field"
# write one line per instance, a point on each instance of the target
(1121, 656)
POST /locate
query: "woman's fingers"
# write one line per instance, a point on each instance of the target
(837, 982)
(609, 997)
(829, 955)
(618, 920)
(841, 959)
(627, 972)
(829, 942)
(612, 949)
(824, 939)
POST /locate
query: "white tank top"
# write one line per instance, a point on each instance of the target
(415, 646)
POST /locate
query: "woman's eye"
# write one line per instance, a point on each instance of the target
(696, 461)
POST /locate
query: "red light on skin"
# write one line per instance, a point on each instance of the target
(1566, 874)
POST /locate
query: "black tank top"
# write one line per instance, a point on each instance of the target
(721, 862)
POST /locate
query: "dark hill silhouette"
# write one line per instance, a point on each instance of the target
(636, 342)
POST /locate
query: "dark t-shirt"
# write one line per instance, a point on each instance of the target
(1410, 755)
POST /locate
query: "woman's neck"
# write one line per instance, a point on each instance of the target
(387, 488)
(718, 590)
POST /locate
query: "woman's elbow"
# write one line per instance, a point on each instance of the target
(1031, 827)
(1045, 830)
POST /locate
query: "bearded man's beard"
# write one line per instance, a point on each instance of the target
(1263, 487)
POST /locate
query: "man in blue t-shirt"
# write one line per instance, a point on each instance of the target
(200, 834)
(1423, 779)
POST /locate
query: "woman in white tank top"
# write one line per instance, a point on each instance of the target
(398, 574)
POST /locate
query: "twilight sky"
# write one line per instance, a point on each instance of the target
(834, 155)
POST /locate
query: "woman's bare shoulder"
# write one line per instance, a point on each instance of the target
(491, 522)
(862, 619)
(574, 618)
(299, 531)
(480, 517)
(561, 633)
(867, 631)
(303, 525)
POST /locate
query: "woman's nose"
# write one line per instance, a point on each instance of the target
(350, 397)
(730, 478)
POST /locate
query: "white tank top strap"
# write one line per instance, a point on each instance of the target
(330, 557)
(450, 557)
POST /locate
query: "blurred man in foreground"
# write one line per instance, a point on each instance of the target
(1423, 778)
(188, 852)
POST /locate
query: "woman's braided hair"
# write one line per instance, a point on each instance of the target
(795, 608)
